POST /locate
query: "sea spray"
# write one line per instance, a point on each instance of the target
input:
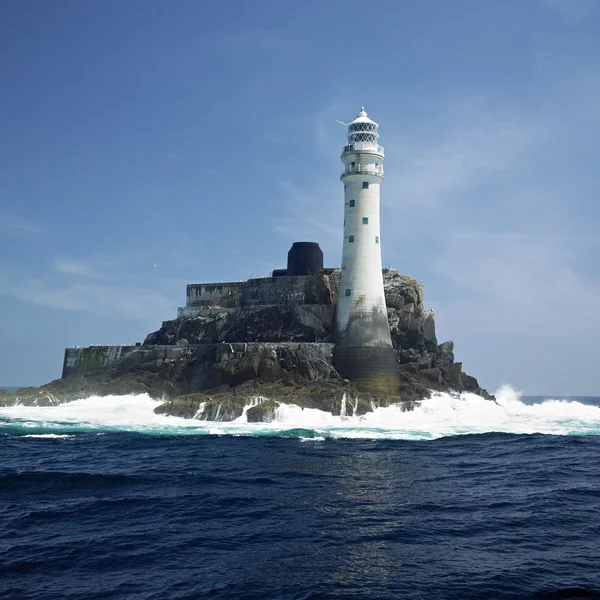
(439, 416)
(343, 406)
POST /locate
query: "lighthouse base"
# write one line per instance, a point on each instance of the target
(372, 368)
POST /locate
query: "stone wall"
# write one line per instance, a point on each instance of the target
(206, 295)
(93, 358)
(310, 289)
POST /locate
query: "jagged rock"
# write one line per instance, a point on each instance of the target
(427, 328)
(425, 361)
(402, 292)
(469, 383)
(263, 412)
(408, 355)
(452, 375)
(434, 375)
(271, 323)
(222, 409)
(185, 407)
(411, 367)
(445, 353)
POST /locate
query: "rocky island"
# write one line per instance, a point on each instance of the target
(344, 340)
(260, 342)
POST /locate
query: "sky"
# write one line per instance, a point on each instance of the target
(148, 144)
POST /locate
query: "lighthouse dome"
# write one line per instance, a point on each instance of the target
(362, 129)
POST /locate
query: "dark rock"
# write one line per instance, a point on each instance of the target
(226, 408)
(408, 356)
(445, 353)
(469, 383)
(424, 362)
(185, 406)
(452, 375)
(263, 412)
(286, 323)
(434, 375)
(401, 290)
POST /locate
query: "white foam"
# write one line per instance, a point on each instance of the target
(119, 413)
(441, 415)
(48, 435)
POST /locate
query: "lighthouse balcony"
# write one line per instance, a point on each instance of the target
(363, 147)
(358, 169)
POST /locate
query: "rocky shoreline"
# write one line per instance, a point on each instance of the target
(212, 371)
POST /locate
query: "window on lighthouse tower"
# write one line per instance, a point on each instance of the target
(365, 185)
(352, 203)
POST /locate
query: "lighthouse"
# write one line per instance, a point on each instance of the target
(363, 348)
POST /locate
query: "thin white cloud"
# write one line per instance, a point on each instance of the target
(116, 299)
(521, 283)
(93, 268)
(467, 145)
(100, 285)
(15, 222)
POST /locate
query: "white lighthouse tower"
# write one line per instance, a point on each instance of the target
(363, 347)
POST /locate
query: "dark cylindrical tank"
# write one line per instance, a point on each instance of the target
(304, 258)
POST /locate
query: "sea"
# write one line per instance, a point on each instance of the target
(461, 498)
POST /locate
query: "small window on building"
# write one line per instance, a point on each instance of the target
(352, 203)
(353, 164)
(350, 238)
(365, 220)
(348, 291)
(377, 239)
(365, 185)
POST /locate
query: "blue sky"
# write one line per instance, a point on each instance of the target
(200, 137)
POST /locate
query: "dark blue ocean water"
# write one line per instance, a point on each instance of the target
(105, 514)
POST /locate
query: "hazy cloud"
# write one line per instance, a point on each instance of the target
(519, 283)
(461, 143)
(94, 268)
(118, 299)
(14, 222)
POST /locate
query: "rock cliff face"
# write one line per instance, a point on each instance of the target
(270, 323)
(216, 364)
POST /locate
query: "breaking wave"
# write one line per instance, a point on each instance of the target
(440, 416)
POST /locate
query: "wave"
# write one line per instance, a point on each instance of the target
(439, 416)
(49, 436)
